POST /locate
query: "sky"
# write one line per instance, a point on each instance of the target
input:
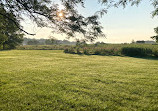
(121, 25)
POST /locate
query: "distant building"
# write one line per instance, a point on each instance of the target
(145, 42)
(150, 42)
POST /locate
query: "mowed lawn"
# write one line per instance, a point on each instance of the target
(53, 81)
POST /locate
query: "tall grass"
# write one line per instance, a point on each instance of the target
(136, 50)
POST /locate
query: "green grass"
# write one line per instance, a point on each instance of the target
(52, 80)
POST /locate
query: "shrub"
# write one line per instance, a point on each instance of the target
(71, 50)
(104, 52)
(78, 51)
(155, 53)
(107, 51)
(66, 50)
(97, 52)
(86, 51)
(136, 51)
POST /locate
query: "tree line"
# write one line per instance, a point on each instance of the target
(28, 41)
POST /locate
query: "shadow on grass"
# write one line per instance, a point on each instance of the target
(4, 50)
(138, 57)
(147, 57)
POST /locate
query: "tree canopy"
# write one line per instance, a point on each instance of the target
(156, 36)
(10, 36)
(68, 20)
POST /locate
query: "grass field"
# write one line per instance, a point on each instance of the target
(52, 80)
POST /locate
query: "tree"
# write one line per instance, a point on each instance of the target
(33, 42)
(51, 41)
(81, 43)
(124, 3)
(156, 36)
(10, 36)
(43, 14)
(48, 42)
(133, 42)
(68, 20)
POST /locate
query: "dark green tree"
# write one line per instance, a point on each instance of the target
(10, 36)
(156, 36)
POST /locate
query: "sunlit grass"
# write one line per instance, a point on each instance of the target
(53, 80)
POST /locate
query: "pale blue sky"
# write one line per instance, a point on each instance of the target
(120, 25)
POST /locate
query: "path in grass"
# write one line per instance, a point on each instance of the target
(52, 80)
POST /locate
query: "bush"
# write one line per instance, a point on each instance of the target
(86, 51)
(155, 53)
(136, 52)
(71, 50)
(66, 50)
(106, 51)
(78, 51)
(97, 52)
